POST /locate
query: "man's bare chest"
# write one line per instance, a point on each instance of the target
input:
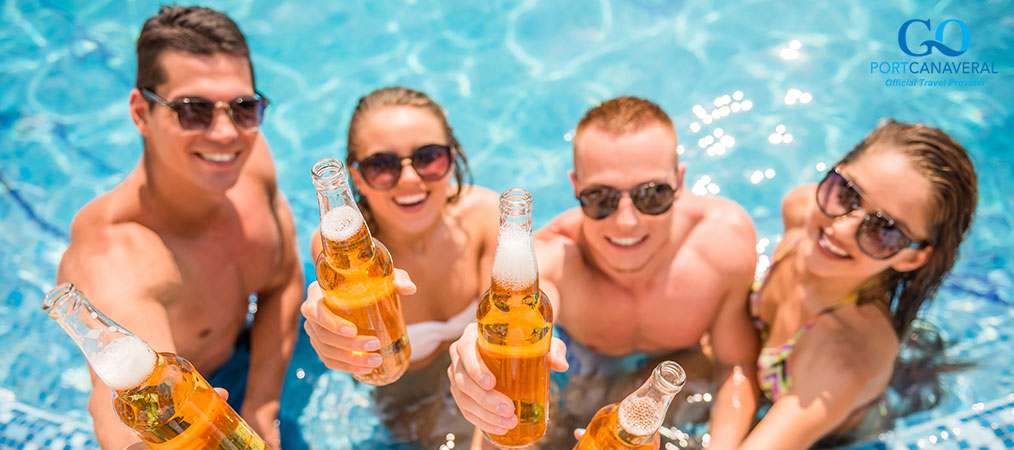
(674, 315)
(240, 257)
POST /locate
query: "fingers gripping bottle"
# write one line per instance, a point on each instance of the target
(633, 423)
(515, 319)
(160, 396)
(356, 274)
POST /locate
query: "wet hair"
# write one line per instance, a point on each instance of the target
(403, 96)
(625, 114)
(191, 29)
(953, 193)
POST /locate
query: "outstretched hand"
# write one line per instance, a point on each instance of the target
(336, 340)
(472, 384)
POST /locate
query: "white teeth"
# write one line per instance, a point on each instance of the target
(626, 242)
(218, 157)
(831, 247)
(410, 199)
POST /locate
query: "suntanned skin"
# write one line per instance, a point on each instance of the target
(844, 362)
(687, 275)
(173, 253)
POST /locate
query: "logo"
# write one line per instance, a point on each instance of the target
(938, 43)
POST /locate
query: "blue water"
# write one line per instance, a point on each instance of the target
(514, 79)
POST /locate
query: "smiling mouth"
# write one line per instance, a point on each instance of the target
(218, 157)
(826, 244)
(411, 200)
(626, 242)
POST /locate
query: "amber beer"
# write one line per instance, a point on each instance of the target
(633, 423)
(160, 396)
(356, 274)
(515, 319)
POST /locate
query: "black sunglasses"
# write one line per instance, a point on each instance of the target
(197, 114)
(651, 198)
(383, 170)
(878, 235)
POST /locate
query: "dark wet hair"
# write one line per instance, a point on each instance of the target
(953, 195)
(403, 96)
(191, 29)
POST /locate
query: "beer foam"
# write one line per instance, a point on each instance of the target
(640, 416)
(341, 223)
(514, 261)
(124, 363)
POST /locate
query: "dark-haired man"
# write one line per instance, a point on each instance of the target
(174, 252)
(642, 268)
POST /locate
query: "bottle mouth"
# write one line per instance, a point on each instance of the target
(61, 300)
(670, 376)
(516, 202)
(329, 173)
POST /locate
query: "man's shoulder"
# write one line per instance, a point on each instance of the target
(564, 227)
(724, 235)
(557, 242)
(560, 234)
(724, 213)
(477, 202)
(106, 245)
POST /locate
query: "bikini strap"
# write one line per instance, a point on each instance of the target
(785, 251)
(813, 320)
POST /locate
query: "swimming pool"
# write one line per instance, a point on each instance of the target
(514, 77)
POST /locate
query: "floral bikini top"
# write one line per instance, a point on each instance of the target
(773, 362)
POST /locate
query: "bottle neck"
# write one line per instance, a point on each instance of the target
(119, 358)
(514, 266)
(516, 212)
(642, 412)
(343, 228)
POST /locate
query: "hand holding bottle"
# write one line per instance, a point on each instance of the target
(335, 339)
(633, 423)
(160, 396)
(472, 384)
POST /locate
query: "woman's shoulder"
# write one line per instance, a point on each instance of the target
(796, 204)
(476, 208)
(860, 344)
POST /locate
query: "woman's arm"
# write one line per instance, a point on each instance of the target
(827, 385)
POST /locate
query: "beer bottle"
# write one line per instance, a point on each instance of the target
(633, 423)
(160, 396)
(356, 274)
(515, 319)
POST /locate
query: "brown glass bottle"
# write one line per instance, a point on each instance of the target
(356, 274)
(515, 319)
(160, 396)
(633, 423)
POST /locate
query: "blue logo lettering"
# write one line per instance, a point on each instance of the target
(929, 44)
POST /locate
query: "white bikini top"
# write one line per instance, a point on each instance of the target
(426, 337)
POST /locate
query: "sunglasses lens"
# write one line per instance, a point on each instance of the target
(879, 238)
(836, 197)
(195, 114)
(432, 161)
(653, 199)
(599, 202)
(247, 112)
(381, 171)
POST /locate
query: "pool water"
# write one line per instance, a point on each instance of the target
(514, 77)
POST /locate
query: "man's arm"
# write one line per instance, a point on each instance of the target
(274, 331)
(734, 341)
(735, 347)
(101, 275)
